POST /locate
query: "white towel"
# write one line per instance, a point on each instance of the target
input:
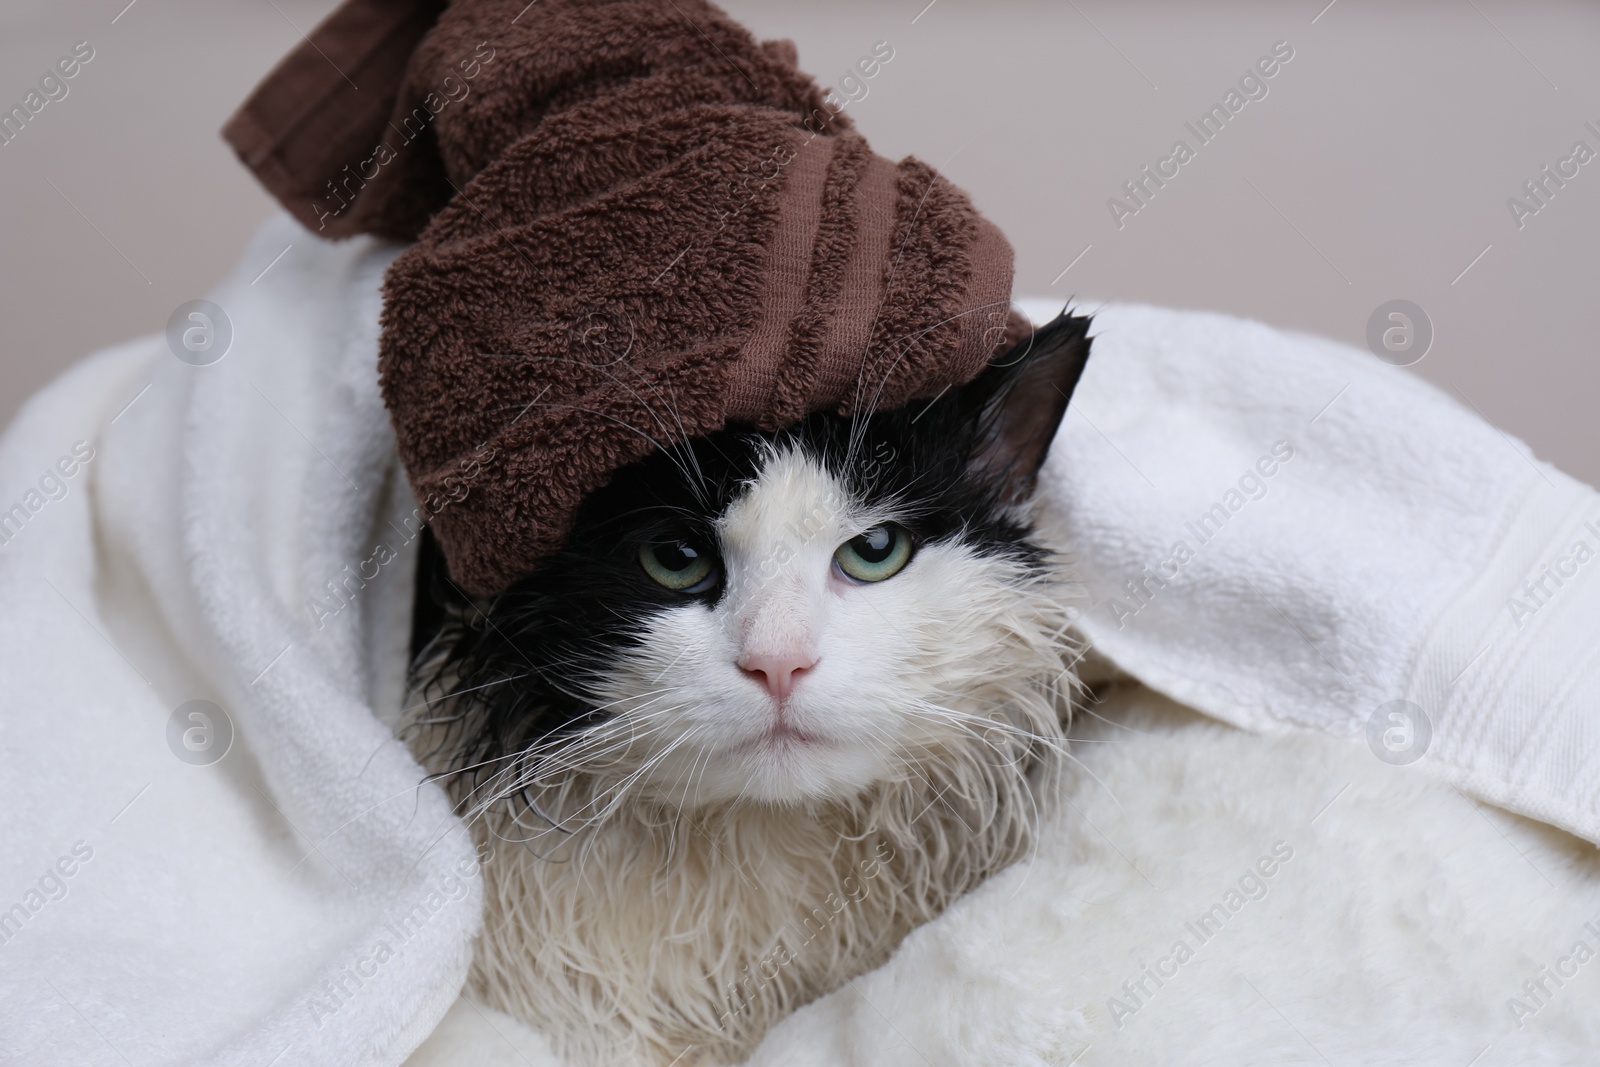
(1405, 550)
(308, 900)
(301, 901)
(1206, 896)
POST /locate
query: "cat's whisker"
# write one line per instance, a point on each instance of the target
(445, 775)
(689, 465)
(572, 753)
(617, 791)
(463, 692)
(590, 758)
(696, 771)
(542, 763)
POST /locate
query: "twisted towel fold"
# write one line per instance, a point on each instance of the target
(634, 225)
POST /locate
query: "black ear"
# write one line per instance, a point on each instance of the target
(1024, 393)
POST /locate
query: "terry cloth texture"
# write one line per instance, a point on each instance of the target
(634, 225)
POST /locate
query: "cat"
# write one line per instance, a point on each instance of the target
(781, 698)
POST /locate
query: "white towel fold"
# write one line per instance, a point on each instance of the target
(302, 898)
(1283, 532)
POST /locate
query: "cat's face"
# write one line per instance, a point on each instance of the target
(783, 618)
(838, 640)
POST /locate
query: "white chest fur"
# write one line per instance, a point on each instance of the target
(662, 936)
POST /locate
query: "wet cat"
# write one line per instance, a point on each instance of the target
(782, 698)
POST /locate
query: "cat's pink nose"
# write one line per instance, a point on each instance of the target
(778, 671)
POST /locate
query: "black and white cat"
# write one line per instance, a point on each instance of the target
(781, 699)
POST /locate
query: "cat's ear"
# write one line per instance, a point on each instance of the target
(1024, 394)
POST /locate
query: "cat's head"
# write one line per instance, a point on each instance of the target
(776, 618)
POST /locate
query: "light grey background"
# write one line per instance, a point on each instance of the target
(1377, 167)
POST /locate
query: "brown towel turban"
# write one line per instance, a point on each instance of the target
(633, 225)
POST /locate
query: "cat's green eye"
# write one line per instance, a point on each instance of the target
(679, 565)
(879, 553)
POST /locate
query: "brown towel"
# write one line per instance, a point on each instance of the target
(633, 225)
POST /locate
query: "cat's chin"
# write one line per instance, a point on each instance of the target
(779, 767)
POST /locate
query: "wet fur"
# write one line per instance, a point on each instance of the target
(638, 913)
